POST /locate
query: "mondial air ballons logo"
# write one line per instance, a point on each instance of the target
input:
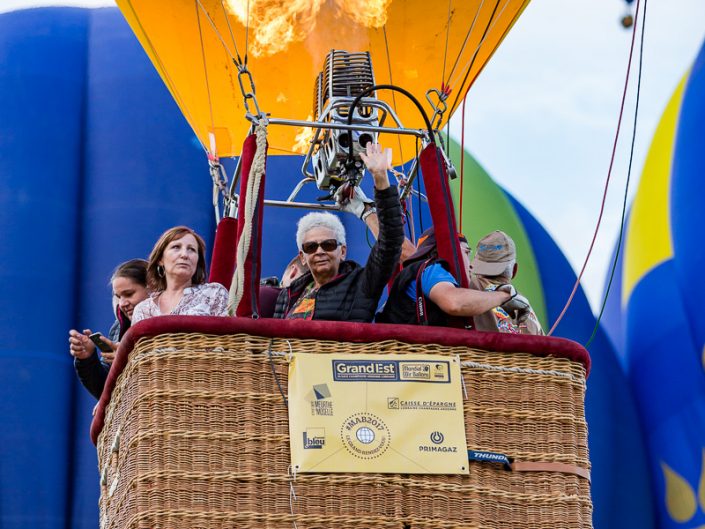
(365, 435)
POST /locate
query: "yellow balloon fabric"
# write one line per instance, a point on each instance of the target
(649, 242)
(415, 44)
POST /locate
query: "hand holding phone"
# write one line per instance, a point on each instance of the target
(100, 343)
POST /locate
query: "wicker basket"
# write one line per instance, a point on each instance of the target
(196, 436)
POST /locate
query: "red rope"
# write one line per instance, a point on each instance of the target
(609, 175)
(462, 165)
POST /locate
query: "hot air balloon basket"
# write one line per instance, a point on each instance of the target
(196, 436)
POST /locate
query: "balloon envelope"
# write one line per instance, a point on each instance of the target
(662, 332)
(415, 44)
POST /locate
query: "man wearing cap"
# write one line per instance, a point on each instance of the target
(495, 265)
(426, 293)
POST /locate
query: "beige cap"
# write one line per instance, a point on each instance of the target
(494, 252)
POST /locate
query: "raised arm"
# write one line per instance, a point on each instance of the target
(386, 251)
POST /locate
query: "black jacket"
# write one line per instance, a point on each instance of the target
(354, 293)
(400, 308)
(91, 371)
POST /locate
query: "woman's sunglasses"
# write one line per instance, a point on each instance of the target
(328, 246)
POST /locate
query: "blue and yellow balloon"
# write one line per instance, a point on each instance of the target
(661, 279)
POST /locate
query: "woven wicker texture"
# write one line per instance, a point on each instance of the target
(196, 436)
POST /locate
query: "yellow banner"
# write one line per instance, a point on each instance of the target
(400, 414)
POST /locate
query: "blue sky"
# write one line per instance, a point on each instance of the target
(541, 117)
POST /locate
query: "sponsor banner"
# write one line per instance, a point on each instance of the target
(399, 414)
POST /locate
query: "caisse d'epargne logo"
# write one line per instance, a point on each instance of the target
(365, 435)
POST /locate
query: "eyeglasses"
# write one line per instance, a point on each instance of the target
(328, 245)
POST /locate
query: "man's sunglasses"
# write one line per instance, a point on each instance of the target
(328, 245)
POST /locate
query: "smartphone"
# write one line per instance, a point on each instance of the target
(270, 281)
(97, 339)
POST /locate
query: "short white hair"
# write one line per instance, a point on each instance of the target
(319, 220)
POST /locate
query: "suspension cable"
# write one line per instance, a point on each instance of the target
(391, 81)
(232, 36)
(205, 66)
(626, 187)
(247, 33)
(162, 68)
(609, 176)
(445, 53)
(465, 41)
(418, 194)
(247, 85)
(235, 60)
(462, 91)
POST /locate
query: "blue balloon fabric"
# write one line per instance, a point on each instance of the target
(657, 306)
(42, 66)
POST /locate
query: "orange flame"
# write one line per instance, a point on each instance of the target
(368, 13)
(277, 23)
(302, 142)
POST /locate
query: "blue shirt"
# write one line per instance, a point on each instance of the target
(430, 277)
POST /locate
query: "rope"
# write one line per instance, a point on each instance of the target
(607, 181)
(237, 290)
(237, 60)
(418, 191)
(462, 48)
(274, 372)
(626, 186)
(520, 370)
(205, 69)
(391, 81)
(247, 33)
(462, 163)
(447, 142)
(445, 53)
(462, 91)
(160, 67)
(227, 21)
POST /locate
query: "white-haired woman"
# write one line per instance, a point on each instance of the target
(336, 289)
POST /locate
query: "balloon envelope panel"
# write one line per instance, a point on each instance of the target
(42, 64)
(688, 197)
(666, 374)
(414, 44)
(663, 333)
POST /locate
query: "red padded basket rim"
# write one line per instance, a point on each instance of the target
(332, 330)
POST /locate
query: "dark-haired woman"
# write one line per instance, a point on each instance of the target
(129, 283)
(176, 277)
